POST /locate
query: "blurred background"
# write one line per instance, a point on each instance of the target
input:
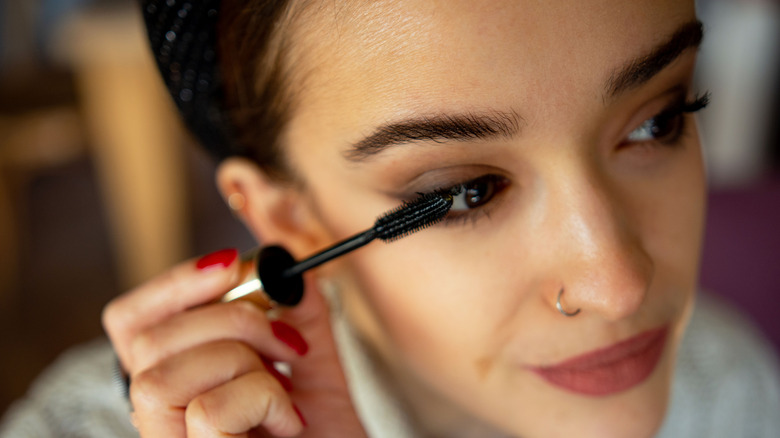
(100, 188)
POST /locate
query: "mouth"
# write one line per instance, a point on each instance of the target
(609, 370)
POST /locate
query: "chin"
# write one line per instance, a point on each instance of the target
(627, 417)
(636, 413)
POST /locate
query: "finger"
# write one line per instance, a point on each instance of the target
(255, 399)
(160, 394)
(278, 375)
(185, 286)
(320, 369)
(237, 320)
(321, 390)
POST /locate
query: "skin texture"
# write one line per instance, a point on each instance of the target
(456, 314)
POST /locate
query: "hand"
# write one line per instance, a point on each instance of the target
(200, 368)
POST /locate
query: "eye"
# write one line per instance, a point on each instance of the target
(664, 128)
(477, 192)
(667, 126)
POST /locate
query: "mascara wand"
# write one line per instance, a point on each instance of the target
(271, 275)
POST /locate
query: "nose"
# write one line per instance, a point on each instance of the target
(599, 257)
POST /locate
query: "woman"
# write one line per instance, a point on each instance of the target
(554, 298)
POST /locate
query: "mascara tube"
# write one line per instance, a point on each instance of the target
(271, 276)
(263, 279)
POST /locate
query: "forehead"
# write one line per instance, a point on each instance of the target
(375, 60)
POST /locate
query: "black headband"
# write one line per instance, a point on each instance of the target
(183, 35)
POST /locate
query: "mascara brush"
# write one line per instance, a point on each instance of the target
(272, 276)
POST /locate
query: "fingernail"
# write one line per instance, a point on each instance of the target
(218, 259)
(281, 378)
(298, 411)
(289, 336)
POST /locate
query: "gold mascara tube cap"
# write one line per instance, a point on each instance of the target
(263, 281)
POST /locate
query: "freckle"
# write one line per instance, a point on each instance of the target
(483, 366)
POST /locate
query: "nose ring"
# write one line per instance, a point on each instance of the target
(560, 307)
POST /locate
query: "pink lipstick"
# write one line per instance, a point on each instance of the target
(611, 369)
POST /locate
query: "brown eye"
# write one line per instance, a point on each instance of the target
(477, 192)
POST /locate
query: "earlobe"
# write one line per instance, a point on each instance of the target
(273, 211)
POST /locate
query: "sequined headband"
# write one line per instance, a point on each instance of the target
(183, 39)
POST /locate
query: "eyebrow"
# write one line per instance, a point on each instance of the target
(644, 68)
(497, 124)
(437, 128)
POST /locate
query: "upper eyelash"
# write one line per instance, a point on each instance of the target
(698, 103)
(677, 108)
(473, 214)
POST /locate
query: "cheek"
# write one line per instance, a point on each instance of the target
(455, 312)
(419, 305)
(433, 308)
(670, 214)
(677, 225)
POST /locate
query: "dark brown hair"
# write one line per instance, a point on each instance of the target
(253, 46)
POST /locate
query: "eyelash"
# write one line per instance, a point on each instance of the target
(496, 184)
(673, 115)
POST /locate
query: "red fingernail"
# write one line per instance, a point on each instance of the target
(281, 378)
(289, 336)
(218, 259)
(298, 411)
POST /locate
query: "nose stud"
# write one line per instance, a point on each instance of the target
(560, 307)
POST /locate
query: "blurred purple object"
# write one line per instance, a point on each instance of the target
(741, 259)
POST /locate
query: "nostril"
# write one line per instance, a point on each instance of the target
(613, 285)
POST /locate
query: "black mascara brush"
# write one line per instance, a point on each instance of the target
(271, 275)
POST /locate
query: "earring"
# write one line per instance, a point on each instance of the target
(236, 201)
(560, 307)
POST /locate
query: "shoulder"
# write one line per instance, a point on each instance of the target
(75, 396)
(727, 381)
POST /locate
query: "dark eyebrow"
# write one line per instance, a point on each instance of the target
(438, 128)
(643, 68)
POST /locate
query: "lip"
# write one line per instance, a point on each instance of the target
(609, 370)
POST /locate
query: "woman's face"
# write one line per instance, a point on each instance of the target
(565, 120)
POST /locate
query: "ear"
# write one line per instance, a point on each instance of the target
(276, 213)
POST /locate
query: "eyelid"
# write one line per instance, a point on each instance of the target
(444, 178)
